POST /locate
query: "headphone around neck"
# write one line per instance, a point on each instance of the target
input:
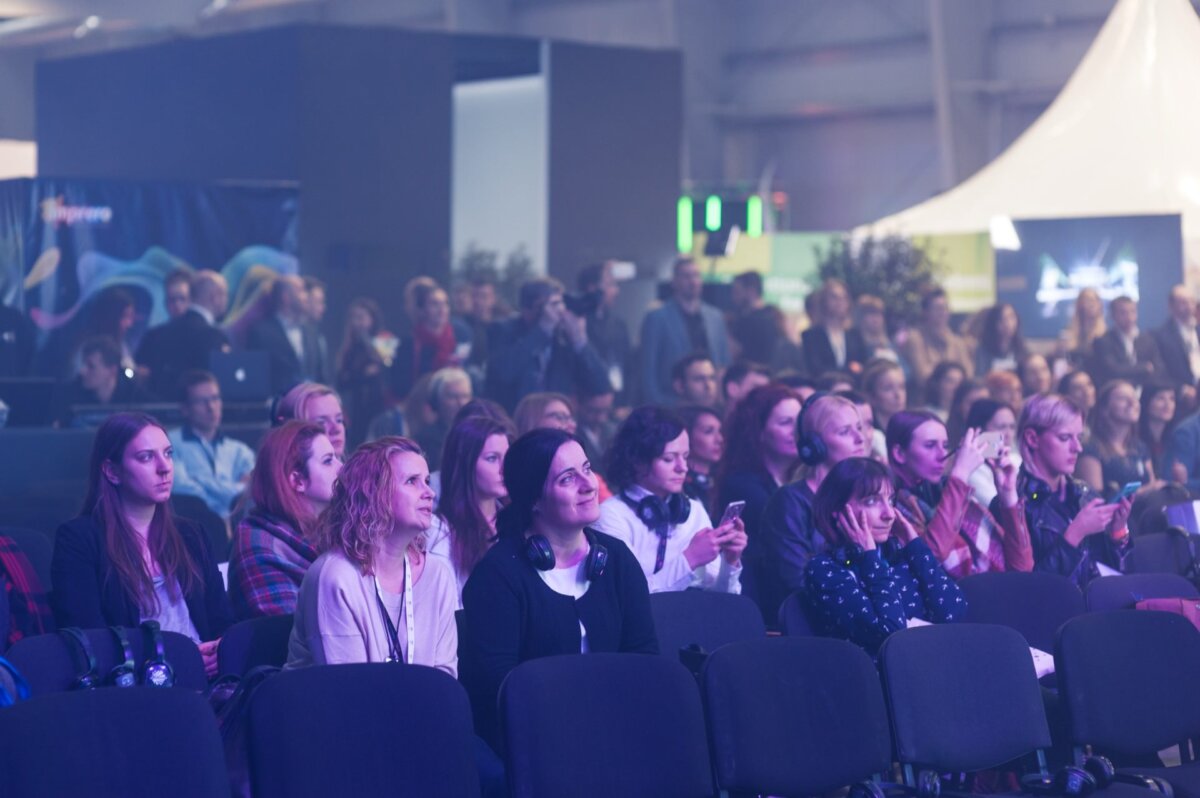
(156, 671)
(86, 677)
(541, 556)
(655, 512)
(811, 448)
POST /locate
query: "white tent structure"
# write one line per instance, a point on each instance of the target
(1121, 138)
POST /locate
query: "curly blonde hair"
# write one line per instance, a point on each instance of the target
(359, 514)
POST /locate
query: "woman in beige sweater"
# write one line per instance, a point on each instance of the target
(373, 596)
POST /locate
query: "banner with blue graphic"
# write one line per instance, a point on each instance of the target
(71, 250)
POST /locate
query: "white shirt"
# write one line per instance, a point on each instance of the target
(295, 336)
(619, 520)
(1191, 345)
(983, 484)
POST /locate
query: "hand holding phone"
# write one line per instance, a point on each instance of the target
(732, 512)
(993, 442)
(1129, 489)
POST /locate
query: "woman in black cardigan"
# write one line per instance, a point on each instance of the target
(125, 559)
(550, 585)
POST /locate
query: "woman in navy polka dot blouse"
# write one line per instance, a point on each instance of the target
(878, 573)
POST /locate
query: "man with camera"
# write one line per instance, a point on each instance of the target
(544, 349)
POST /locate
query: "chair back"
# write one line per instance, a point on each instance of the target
(377, 729)
(794, 620)
(136, 743)
(794, 716)
(36, 547)
(710, 620)
(1125, 591)
(963, 697)
(257, 641)
(604, 725)
(1167, 552)
(52, 665)
(193, 508)
(1034, 603)
(1129, 680)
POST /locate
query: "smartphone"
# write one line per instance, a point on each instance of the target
(733, 511)
(1129, 489)
(993, 441)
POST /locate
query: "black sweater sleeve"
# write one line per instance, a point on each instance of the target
(638, 635)
(75, 572)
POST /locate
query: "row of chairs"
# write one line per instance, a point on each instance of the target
(774, 716)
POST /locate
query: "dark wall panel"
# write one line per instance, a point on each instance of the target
(616, 128)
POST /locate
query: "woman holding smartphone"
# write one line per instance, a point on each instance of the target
(669, 533)
(964, 536)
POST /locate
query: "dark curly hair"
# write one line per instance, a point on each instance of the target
(640, 439)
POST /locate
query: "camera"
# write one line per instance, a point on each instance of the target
(582, 304)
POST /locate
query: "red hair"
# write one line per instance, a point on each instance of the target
(285, 450)
(744, 428)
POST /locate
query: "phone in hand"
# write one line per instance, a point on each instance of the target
(732, 512)
(993, 442)
(1129, 489)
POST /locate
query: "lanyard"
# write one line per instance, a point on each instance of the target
(394, 652)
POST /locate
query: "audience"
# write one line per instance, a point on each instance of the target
(471, 490)
(932, 341)
(606, 331)
(277, 541)
(101, 381)
(1035, 375)
(208, 465)
(832, 344)
(1087, 324)
(965, 537)
(694, 381)
(740, 379)
(876, 440)
(596, 427)
(545, 411)
(828, 431)
(707, 447)
(125, 559)
(871, 321)
(759, 457)
(373, 595)
(290, 342)
(968, 393)
(187, 341)
(879, 573)
(310, 401)
(684, 324)
(550, 585)
(1001, 346)
(546, 348)
(1155, 424)
(1178, 341)
(756, 329)
(1079, 388)
(1115, 455)
(668, 532)
(449, 389)
(988, 415)
(1124, 353)
(154, 345)
(314, 314)
(366, 352)
(941, 387)
(883, 385)
(1073, 532)
(1005, 387)
(431, 343)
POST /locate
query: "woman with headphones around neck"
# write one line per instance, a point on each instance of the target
(550, 585)
(373, 596)
(669, 533)
(1072, 530)
(126, 559)
(828, 431)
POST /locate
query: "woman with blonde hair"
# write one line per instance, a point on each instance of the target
(312, 401)
(373, 595)
(1086, 325)
(545, 410)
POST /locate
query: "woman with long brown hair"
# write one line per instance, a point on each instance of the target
(125, 559)
(472, 488)
(292, 483)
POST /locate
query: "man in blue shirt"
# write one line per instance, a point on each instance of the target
(208, 465)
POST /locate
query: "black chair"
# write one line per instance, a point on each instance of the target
(799, 716)
(36, 546)
(112, 742)
(249, 644)
(1167, 552)
(794, 620)
(364, 730)
(1035, 604)
(1124, 591)
(193, 508)
(603, 725)
(52, 666)
(1130, 682)
(699, 617)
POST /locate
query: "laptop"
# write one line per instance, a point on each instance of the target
(243, 376)
(29, 399)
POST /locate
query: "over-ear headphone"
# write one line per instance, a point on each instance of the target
(541, 555)
(86, 677)
(929, 785)
(1071, 781)
(655, 512)
(1105, 774)
(156, 672)
(124, 674)
(811, 448)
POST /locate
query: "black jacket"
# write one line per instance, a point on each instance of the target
(88, 594)
(1048, 515)
(787, 539)
(513, 616)
(1111, 362)
(287, 369)
(182, 344)
(1178, 368)
(513, 369)
(818, 351)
